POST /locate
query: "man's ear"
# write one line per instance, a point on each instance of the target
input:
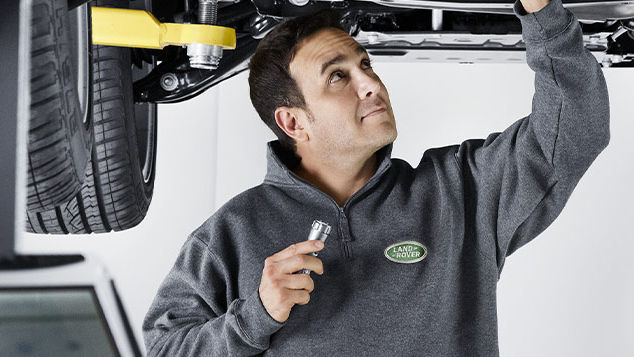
(287, 119)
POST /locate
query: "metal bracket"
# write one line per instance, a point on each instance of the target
(139, 28)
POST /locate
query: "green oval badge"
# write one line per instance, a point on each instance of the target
(406, 252)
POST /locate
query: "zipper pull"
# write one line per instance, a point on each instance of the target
(344, 232)
(347, 250)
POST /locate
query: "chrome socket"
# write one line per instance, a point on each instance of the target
(204, 56)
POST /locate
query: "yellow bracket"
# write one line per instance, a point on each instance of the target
(138, 28)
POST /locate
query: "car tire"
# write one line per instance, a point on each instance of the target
(119, 179)
(60, 135)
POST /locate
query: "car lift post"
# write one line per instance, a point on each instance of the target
(14, 117)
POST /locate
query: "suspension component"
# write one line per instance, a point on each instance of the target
(204, 56)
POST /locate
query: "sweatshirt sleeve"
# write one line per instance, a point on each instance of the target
(518, 181)
(190, 317)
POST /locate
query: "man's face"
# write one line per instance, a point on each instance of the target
(349, 103)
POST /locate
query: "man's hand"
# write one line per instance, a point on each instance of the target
(534, 5)
(280, 289)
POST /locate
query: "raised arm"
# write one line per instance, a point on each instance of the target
(518, 181)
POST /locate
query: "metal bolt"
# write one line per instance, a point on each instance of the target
(208, 11)
(169, 82)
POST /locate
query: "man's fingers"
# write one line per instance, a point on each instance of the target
(279, 290)
(304, 247)
(300, 297)
(299, 281)
(298, 262)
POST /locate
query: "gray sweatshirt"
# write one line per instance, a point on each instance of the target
(463, 210)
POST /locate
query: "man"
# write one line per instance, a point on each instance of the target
(414, 256)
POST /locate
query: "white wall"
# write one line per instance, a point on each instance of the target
(568, 292)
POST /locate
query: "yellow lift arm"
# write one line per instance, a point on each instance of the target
(138, 28)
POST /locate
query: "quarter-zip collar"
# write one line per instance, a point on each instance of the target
(279, 174)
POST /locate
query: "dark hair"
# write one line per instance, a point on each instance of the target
(270, 81)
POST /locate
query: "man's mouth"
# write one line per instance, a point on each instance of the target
(374, 112)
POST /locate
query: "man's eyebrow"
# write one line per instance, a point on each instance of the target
(358, 50)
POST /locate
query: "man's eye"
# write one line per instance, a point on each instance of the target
(367, 63)
(335, 76)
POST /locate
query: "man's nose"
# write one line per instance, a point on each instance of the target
(368, 85)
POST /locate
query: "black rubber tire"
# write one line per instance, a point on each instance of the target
(59, 141)
(116, 193)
